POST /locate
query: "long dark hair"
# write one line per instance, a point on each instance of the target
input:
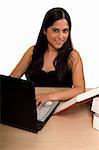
(60, 62)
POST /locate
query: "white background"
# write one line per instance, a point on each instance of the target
(21, 21)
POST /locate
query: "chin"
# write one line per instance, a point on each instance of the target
(58, 46)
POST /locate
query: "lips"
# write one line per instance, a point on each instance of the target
(59, 42)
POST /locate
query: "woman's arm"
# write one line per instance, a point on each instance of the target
(78, 82)
(23, 64)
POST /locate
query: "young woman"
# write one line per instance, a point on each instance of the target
(52, 61)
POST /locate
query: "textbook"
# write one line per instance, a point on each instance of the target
(83, 98)
(95, 109)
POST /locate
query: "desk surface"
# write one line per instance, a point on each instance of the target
(69, 131)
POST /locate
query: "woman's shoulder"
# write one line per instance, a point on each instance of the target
(74, 55)
(28, 54)
(30, 49)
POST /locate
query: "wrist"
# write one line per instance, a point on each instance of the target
(53, 96)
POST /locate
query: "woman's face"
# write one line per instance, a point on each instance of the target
(57, 34)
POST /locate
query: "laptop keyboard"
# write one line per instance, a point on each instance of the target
(45, 110)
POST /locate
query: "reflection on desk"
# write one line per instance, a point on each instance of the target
(71, 130)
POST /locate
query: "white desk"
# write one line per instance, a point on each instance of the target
(69, 131)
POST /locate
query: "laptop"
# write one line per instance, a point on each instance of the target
(18, 105)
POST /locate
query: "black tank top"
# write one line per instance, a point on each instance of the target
(50, 79)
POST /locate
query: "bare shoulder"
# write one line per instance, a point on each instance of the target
(30, 50)
(74, 58)
(28, 54)
(75, 54)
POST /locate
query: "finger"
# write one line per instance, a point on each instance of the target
(40, 105)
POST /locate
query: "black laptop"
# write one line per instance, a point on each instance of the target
(18, 105)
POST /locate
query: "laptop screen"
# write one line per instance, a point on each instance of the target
(18, 105)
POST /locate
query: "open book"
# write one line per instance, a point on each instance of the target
(80, 99)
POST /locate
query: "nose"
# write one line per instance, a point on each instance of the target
(60, 35)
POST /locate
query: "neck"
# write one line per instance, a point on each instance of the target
(51, 49)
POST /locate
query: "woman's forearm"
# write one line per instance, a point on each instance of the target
(66, 94)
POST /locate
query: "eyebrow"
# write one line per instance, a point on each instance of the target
(67, 28)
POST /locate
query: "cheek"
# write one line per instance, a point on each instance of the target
(66, 37)
(50, 37)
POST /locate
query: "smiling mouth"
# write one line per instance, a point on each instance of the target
(59, 43)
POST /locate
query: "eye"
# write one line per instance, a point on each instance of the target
(66, 30)
(56, 30)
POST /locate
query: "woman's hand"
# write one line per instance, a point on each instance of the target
(42, 98)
